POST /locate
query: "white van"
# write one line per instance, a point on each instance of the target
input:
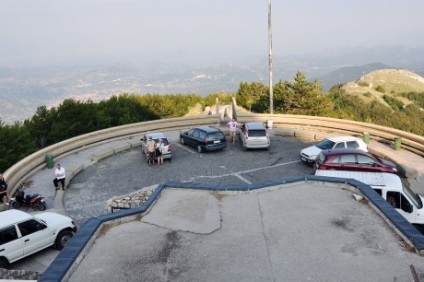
(391, 188)
(254, 135)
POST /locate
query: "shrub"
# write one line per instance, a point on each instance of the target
(363, 83)
(380, 89)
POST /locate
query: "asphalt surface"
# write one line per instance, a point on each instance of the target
(127, 172)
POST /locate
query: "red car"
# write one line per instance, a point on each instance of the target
(354, 160)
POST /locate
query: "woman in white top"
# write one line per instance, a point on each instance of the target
(159, 151)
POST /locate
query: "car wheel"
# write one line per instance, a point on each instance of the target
(62, 239)
(199, 149)
(16, 205)
(40, 206)
(182, 140)
(4, 263)
(419, 227)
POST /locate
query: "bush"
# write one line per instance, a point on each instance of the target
(363, 83)
(380, 89)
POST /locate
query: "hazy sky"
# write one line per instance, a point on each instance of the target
(40, 31)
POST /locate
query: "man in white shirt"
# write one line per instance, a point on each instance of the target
(60, 177)
(233, 129)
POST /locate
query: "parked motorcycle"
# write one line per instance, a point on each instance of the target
(35, 201)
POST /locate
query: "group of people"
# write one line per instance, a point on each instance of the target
(154, 151)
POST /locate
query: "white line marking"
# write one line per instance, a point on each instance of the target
(242, 178)
(237, 174)
(185, 147)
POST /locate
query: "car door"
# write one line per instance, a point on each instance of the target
(401, 204)
(35, 235)
(344, 162)
(190, 137)
(366, 163)
(11, 246)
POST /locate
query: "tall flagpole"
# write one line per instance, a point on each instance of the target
(271, 94)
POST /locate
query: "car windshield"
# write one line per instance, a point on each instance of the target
(413, 196)
(325, 144)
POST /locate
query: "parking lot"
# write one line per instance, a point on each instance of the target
(128, 171)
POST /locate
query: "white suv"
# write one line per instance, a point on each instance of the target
(309, 154)
(22, 234)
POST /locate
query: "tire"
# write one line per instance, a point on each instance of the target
(16, 205)
(182, 141)
(199, 149)
(62, 239)
(4, 263)
(419, 227)
(40, 206)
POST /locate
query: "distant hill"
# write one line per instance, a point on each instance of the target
(391, 82)
(347, 74)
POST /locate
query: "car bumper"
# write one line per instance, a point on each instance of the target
(215, 147)
(305, 160)
(257, 146)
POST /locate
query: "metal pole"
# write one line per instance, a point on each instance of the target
(271, 100)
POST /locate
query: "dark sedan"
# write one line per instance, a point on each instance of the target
(354, 160)
(204, 138)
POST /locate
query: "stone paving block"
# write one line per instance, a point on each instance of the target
(121, 148)
(305, 134)
(102, 155)
(285, 132)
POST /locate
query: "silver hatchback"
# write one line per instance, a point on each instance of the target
(254, 135)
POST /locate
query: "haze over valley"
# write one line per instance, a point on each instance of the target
(23, 89)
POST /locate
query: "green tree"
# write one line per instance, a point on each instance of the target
(301, 97)
(253, 96)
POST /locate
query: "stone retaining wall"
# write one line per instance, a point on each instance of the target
(129, 201)
(10, 275)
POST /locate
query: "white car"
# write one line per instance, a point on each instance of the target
(309, 154)
(167, 152)
(254, 135)
(22, 234)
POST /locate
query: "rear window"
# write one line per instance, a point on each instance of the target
(257, 133)
(216, 136)
(325, 144)
(164, 140)
(352, 144)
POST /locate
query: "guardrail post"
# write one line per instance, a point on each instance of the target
(398, 142)
(366, 137)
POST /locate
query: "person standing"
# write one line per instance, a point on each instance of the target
(150, 150)
(3, 190)
(233, 129)
(60, 177)
(159, 151)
